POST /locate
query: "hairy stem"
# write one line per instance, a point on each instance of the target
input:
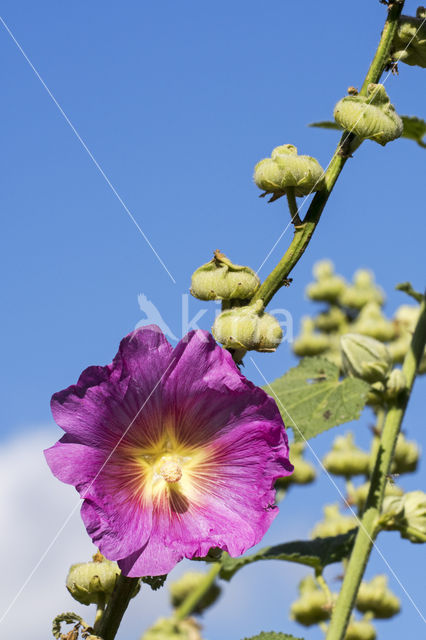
(189, 604)
(292, 205)
(369, 525)
(99, 613)
(304, 232)
(117, 605)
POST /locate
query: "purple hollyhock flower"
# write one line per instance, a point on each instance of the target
(173, 451)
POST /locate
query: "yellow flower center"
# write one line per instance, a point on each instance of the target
(170, 469)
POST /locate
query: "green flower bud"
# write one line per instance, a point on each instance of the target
(188, 583)
(304, 472)
(375, 597)
(166, 629)
(334, 523)
(332, 320)
(409, 43)
(358, 495)
(396, 383)
(398, 348)
(406, 317)
(345, 458)
(285, 169)
(405, 457)
(363, 291)
(220, 279)
(371, 116)
(310, 343)
(328, 286)
(371, 322)
(313, 606)
(365, 358)
(360, 630)
(407, 515)
(92, 582)
(248, 328)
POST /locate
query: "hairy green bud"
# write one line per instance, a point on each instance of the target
(220, 279)
(358, 495)
(332, 320)
(334, 523)
(371, 322)
(346, 459)
(375, 597)
(308, 342)
(167, 629)
(396, 383)
(371, 116)
(406, 455)
(92, 582)
(285, 169)
(188, 583)
(249, 328)
(360, 630)
(363, 291)
(365, 358)
(407, 515)
(328, 286)
(409, 43)
(313, 605)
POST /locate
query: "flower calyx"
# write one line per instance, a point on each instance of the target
(409, 43)
(92, 582)
(370, 117)
(220, 279)
(249, 328)
(285, 170)
(364, 357)
(406, 514)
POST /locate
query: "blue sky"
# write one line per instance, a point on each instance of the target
(177, 102)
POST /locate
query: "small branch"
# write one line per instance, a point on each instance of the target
(189, 604)
(123, 591)
(99, 613)
(303, 233)
(292, 205)
(370, 525)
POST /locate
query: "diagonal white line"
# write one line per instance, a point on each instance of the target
(89, 153)
(74, 509)
(325, 170)
(340, 493)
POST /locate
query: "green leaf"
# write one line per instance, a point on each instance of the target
(311, 398)
(414, 128)
(317, 553)
(155, 582)
(272, 635)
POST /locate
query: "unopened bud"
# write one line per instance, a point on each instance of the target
(168, 629)
(328, 286)
(409, 43)
(358, 495)
(346, 459)
(285, 169)
(309, 343)
(365, 358)
(248, 328)
(375, 597)
(220, 279)
(334, 523)
(407, 515)
(396, 383)
(360, 630)
(187, 584)
(371, 322)
(92, 582)
(363, 291)
(332, 320)
(371, 116)
(313, 605)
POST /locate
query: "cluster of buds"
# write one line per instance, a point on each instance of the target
(346, 459)
(370, 117)
(376, 599)
(286, 170)
(360, 630)
(241, 326)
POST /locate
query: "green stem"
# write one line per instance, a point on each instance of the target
(189, 604)
(369, 525)
(304, 232)
(117, 605)
(415, 533)
(292, 205)
(99, 613)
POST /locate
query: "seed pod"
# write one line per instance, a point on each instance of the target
(375, 597)
(92, 582)
(363, 291)
(365, 358)
(313, 605)
(409, 43)
(371, 322)
(249, 328)
(220, 279)
(346, 459)
(285, 169)
(371, 116)
(360, 630)
(309, 343)
(334, 523)
(187, 584)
